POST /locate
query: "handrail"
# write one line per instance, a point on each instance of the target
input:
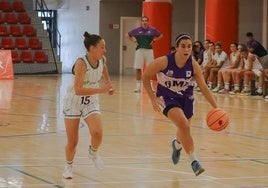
(41, 6)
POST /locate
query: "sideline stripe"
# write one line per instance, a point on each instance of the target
(35, 177)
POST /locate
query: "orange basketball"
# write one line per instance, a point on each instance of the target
(217, 119)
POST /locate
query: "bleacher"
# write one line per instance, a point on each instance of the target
(22, 32)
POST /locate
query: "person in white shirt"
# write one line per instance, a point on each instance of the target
(221, 61)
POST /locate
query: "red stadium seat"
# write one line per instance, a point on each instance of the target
(10, 18)
(21, 43)
(1, 18)
(24, 18)
(7, 43)
(18, 6)
(15, 30)
(40, 57)
(5, 6)
(29, 30)
(34, 43)
(3, 30)
(15, 56)
(26, 56)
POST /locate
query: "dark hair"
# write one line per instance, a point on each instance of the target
(91, 40)
(207, 40)
(244, 48)
(182, 36)
(235, 43)
(249, 34)
(212, 43)
(146, 17)
(200, 43)
(172, 48)
(218, 44)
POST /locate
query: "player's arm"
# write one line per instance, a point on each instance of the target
(131, 38)
(158, 37)
(202, 85)
(106, 76)
(251, 59)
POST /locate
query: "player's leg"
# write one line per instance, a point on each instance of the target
(183, 136)
(95, 129)
(72, 126)
(138, 65)
(220, 77)
(149, 57)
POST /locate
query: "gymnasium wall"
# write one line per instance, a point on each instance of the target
(109, 12)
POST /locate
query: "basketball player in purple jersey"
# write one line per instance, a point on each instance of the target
(177, 73)
(144, 36)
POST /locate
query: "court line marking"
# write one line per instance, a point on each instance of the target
(35, 177)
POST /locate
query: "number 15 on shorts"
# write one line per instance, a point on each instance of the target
(85, 100)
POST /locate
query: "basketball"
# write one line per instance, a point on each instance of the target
(217, 119)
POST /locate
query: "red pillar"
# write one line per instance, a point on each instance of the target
(222, 21)
(159, 14)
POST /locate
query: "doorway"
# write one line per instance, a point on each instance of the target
(127, 48)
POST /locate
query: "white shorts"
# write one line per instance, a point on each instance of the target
(257, 72)
(143, 56)
(75, 106)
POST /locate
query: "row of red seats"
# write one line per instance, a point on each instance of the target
(15, 18)
(17, 30)
(20, 43)
(7, 6)
(27, 56)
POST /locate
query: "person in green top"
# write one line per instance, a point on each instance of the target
(144, 36)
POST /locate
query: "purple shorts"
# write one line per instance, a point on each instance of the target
(184, 103)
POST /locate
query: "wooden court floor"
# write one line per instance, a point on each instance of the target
(136, 144)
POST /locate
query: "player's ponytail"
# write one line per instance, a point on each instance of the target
(91, 40)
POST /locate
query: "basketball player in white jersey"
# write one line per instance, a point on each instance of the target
(82, 100)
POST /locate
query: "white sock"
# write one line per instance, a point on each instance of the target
(246, 88)
(177, 145)
(193, 157)
(92, 151)
(236, 87)
(226, 86)
(138, 84)
(69, 162)
(210, 85)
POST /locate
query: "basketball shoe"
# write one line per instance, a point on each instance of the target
(197, 168)
(176, 153)
(96, 159)
(68, 172)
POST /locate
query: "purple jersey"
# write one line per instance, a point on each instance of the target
(176, 82)
(144, 37)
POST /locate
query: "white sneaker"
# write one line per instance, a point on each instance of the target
(68, 172)
(96, 160)
(216, 89)
(266, 97)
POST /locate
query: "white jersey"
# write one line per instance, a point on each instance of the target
(205, 58)
(256, 63)
(222, 57)
(76, 106)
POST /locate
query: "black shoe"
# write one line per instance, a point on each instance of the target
(197, 168)
(176, 152)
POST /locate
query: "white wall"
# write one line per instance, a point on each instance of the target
(73, 21)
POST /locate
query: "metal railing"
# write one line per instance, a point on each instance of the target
(50, 18)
